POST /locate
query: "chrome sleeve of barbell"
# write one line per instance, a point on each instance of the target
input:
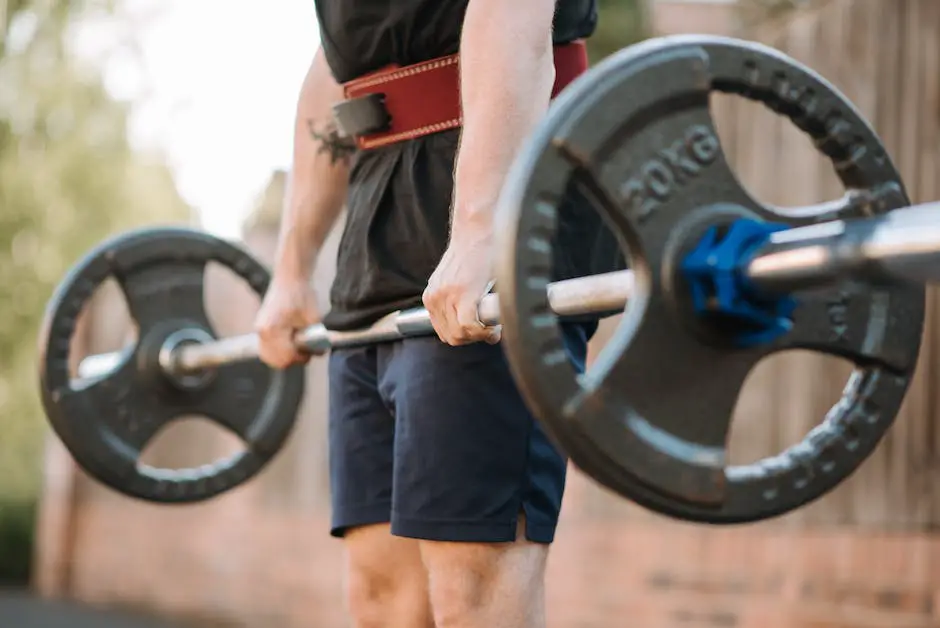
(901, 246)
(606, 292)
(905, 245)
(191, 358)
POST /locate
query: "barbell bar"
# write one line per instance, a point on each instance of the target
(717, 282)
(902, 246)
(572, 297)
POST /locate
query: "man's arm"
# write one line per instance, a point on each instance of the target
(506, 75)
(319, 175)
(316, 191)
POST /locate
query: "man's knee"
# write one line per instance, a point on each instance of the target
(386, 583)
(470, 583)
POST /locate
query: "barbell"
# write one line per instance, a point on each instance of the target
(716, 282)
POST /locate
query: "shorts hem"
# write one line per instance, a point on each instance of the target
(347, 518)
(470, 531)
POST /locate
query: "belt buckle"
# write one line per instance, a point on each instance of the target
(363, 115)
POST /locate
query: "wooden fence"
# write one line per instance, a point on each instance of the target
(864, 556)
(885, 56)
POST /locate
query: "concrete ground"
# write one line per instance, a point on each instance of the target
(22, 610)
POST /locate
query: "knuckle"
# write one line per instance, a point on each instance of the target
(265, 334)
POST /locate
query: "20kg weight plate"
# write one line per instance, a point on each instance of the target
(651, 418)
(106, 422)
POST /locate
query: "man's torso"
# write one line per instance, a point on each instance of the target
(398, 207)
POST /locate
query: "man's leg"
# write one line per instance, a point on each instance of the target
(487, 584)
(476, 481)
(386, 582)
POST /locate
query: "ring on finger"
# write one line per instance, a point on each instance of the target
(476, 310)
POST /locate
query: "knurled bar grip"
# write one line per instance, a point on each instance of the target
(607, 292)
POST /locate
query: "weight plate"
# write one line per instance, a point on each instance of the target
(650, 419)
(106, 422)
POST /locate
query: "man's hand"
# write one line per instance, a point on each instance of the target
(456, 287)
(506, 76)
(288, 307)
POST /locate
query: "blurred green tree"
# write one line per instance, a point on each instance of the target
(68, 178)
(621, 23)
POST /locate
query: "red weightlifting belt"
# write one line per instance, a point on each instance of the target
(402, 103)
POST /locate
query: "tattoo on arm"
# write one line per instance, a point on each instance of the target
(332, 143)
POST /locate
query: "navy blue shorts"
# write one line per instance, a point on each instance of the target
(438, 441)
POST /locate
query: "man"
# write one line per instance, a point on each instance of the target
(444, 488)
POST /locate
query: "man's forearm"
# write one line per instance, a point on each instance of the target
(507, 73)
(319, 175)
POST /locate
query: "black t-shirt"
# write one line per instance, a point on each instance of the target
(398, 207)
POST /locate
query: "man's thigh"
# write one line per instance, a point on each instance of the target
(470, 458)
(487, 584)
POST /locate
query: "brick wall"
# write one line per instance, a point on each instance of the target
(269, 569)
